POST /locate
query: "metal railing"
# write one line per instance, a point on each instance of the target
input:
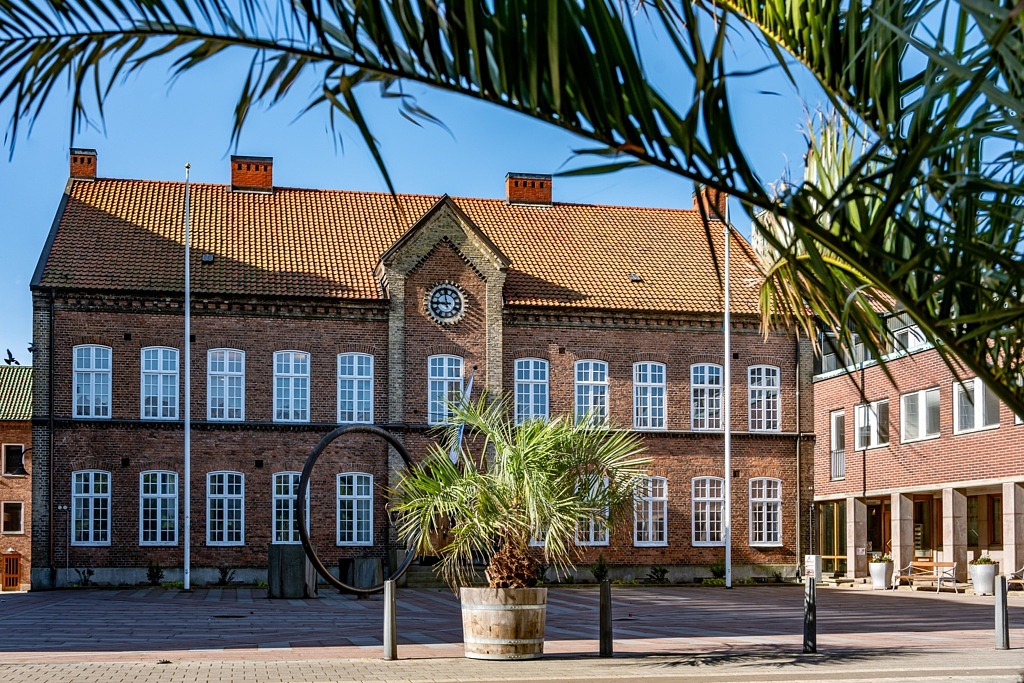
(839, 464)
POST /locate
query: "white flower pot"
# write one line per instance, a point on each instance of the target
(881, 575)
(983, 578)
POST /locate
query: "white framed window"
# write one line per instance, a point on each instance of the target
(708, 511)
(531, 388)
(594, 530)
(355, 508)
(763, 388)
(90, 507)
(909, 338)
(705, 396)
(837, 441)
(12, 517)
(650, 513)
(766, 512)
(159, 383)
(648, 396)
(871, 423)
(225, 508)
(975, 406)
(591, 391)
(285, 490)
(355, 388)
(158, 508)
(444, 386)
(225, 385)
(91, 380)
(919, 415)
(291, 386)
(14, 459)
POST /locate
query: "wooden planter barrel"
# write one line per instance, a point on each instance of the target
(503, 623)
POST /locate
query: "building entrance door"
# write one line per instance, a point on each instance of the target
(879, 527)
(927, 527)
(832, 539)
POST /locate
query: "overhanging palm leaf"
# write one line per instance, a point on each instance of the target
(530, 481)
(928, 214)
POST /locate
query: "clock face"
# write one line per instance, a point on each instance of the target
(445, 303)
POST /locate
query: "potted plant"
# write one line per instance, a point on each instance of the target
(880, 568)
(983, 575)
(525, 484)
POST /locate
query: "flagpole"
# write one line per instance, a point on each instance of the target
(186, 580)
(726, 410)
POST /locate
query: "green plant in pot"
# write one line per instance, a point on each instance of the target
(512, 486)
(982, 571)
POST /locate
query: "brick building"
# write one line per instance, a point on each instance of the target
(927, 469)
(315, 307)
(15, 458)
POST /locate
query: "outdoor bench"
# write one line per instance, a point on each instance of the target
(1016, 579)
(927, 571)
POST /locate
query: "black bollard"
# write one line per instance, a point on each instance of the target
(1002, 615)
(810, 617)
(605, 619)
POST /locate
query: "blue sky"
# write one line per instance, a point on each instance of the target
(152, 128)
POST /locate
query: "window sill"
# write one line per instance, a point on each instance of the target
(976, 429)
(90, 417)
(708, 544)
(286, 543)
(764, 431)
(355, 545)
(766, 545)
(82, 544)
(12, 533)
(930, 437)
(838, 479)
(236, 544)
(158, 545)
(661, 544)
(872, 448)
(603, 544)
(16, 476)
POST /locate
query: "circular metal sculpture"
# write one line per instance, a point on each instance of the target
(303, 494)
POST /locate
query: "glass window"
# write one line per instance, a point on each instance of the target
(975, 406)
(872, 425)
(225, 508)
(355, 508)
(355, 388)
(594, 530)
(90, 507)
(286, 522)
(648, 396)
(838, 443)
(650, 513)
(158, 508)
(13, 518)
(706, 396)
(291, 386)
(92, 381)
(919, 415)
(765, 511)
(592, 391)
(159, 383)
(531, 389)
(14, 459)
(763, 387)
(709, 511)
(909, 338)
(444, 387)
(225, 384)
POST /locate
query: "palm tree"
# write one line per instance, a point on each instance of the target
(526, 485)
(925, 216)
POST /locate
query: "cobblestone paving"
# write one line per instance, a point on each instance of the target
(747, 633)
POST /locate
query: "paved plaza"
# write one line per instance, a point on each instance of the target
(714, 634)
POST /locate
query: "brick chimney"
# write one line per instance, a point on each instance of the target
(252, 174)
(528, 188)
(83, 164)
(711, 199)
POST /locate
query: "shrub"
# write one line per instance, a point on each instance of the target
(984, 559)
(881, 558)
(84, 577)
(656, 574)
(717, 570)
(154, 574)
(225, 575)
(600, 568)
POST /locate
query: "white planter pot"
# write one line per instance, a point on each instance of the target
(881, 575)
(983, 578)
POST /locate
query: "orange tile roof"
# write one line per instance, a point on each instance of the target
(128, 235)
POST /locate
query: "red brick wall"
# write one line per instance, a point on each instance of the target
(14, 489)
(252, 175)
(983, 454)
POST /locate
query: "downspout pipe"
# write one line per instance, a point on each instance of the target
(799, 440)
(50, 448)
